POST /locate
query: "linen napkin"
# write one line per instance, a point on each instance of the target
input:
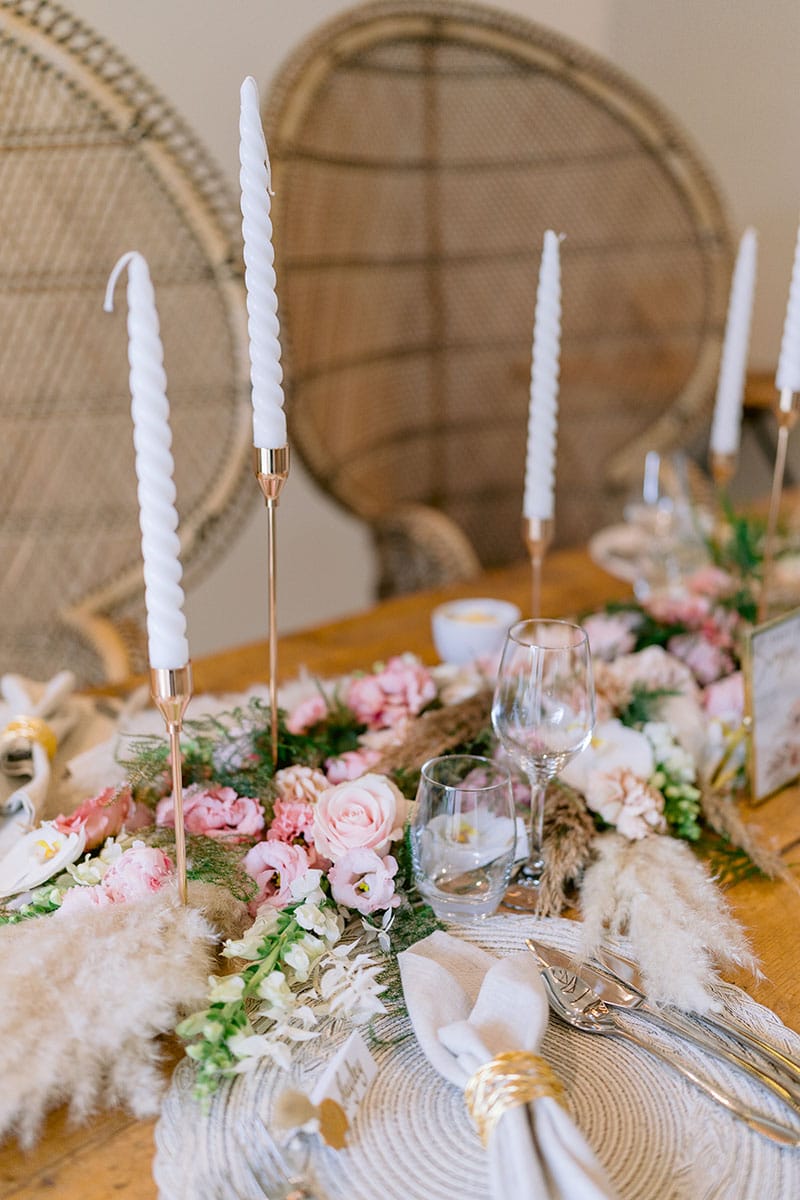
(26, 757)
(467, 1007)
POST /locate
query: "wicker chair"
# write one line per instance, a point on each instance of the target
(94, 163)
(419, 151)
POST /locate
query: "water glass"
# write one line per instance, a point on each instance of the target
(463, 836)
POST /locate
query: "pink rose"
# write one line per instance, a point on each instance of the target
(308, 712)
(401, 689)
(725, 698)
(104, 815)
(275, 866)
(367, 813)
(215, 812)
(136, 873)
(350, 765)
(363, 881)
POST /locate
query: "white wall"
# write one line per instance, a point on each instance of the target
(724, 67)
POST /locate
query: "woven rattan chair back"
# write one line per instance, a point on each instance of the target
(94, 163)
(419, 151)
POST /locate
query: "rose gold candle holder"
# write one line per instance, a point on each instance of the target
(786, 416)
(723, 468)
(538, 534)
(172, 690)
(272, 471)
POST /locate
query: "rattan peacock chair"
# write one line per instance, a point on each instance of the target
(94, 163)
(419, 151)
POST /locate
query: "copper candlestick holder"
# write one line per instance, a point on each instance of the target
(786, 415)
(538, 534)
(272, 471)
(723, 468)
(172, 691)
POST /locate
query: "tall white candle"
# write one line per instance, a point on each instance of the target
(269, 420)
(152, 439)
(726, 426)
(540, 467)
(788, 376)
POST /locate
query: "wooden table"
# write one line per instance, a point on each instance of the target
(111, 1157)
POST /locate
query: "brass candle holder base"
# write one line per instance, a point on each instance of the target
(723, 469)
(172, 690)
(272, 471)
(786, 415)
(538, 534)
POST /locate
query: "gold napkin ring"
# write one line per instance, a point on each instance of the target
(35, 730)
(513, 1078)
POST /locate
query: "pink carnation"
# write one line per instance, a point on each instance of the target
(138, 872)
(275, 866)
(350, 765)
(215, 812)
(292, 819)
(104, 815)
(401, 689)
(626, 801)
(308, 712)
(364, 881)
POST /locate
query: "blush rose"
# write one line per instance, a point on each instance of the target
(367, 813)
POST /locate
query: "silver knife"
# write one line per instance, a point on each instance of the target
(628, 973)
(571, 997)
(617, 996)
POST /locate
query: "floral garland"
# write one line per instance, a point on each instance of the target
(316, 845)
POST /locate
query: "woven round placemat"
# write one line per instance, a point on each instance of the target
(656, 1135)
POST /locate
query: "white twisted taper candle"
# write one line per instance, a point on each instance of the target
(726, 427)
(788, 375)
(540, 467)
(152, 438)
(269, 420)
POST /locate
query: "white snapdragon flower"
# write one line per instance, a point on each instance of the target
(678, 763)
(307, 887)
(320, 920)
(249, 945)
(251, 1048)
(223, 988)
(279, 997)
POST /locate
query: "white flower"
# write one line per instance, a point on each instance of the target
(306, 887)
(321, 920)
(37, 856)
(627, 801)
(350, 985)
(668, 753)
(613, 746)
(275, 989)
(250, 1048)
(249, 945)
(224, 988)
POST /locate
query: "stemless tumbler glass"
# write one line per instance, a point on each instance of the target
(463, 836)
(543, 714)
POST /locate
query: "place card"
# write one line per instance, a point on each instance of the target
(334, 1101)
(772, 691)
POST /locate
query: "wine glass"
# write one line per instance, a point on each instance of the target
(463, 836)
(543, 714)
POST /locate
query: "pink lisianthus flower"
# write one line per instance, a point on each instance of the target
(350, 765)
(364, 881)
(104, 815)
(401, 689)
(215, 812)
(274, 866)
(309, 712)
(367, 813)
(724, 698)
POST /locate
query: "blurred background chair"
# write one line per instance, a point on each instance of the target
(419, 151)
(94, 163)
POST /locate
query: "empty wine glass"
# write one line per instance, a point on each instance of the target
(463, 836)
(543, 714)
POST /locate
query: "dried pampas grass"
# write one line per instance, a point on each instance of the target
(568, 835)
(437, 732)
(84, 998)
(657, 893)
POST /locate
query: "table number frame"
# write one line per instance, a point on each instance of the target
(772, 699)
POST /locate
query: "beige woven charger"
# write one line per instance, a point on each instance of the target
(655, 1134)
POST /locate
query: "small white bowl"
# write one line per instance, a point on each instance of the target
(464, 630)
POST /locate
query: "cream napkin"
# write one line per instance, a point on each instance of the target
(466, 1007)
(51, 703)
